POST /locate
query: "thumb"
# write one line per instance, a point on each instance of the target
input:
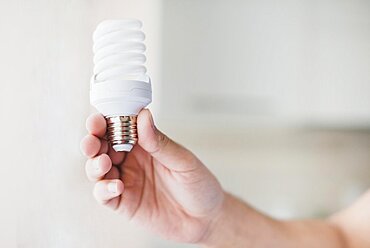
(158, 145)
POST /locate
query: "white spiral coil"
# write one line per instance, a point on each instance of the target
(119, 51)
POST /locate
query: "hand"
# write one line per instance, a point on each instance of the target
(159, 184)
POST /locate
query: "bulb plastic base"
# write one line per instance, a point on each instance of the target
(122, 132)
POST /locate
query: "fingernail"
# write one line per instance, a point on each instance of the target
(112, 187)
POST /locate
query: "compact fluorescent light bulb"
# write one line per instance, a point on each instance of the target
(120, 87)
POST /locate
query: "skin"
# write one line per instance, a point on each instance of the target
(163, 186)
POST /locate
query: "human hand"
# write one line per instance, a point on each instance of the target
(159, 184)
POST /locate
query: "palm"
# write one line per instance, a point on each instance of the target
(152, 197)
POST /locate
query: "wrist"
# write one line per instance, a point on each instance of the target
(222, 228)
(239, 225)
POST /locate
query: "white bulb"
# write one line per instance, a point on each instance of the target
(120, 87)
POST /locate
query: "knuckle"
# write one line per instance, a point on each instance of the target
(163, 141)
(190, 158)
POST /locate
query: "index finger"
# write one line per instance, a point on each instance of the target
(96, 125)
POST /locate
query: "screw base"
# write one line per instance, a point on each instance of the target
(122, 132)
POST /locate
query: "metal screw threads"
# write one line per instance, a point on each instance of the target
(121, 132)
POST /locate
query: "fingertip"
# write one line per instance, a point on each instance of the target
(145, 117)
(105, 160)
(106, 190)
(98, 167)
(96, 125)
(146, 130)
(105, 164)
(90, 145)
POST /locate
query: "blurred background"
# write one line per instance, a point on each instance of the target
(274, 97)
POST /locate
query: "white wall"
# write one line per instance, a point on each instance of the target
(46, 63)
(292, 62)
(266, 62)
